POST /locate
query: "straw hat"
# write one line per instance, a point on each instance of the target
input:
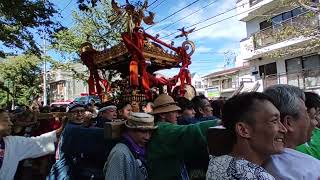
(142, 121)
(164, 103)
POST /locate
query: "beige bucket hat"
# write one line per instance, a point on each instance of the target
(164, 103)
(142, 121)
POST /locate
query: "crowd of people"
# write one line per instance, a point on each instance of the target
(272, 135)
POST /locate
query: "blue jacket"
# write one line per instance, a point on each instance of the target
(82, 154)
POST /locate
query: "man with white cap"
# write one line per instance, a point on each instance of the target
(171, 145)
(126, 160)
(106, 114)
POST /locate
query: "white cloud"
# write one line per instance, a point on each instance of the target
(203, 49)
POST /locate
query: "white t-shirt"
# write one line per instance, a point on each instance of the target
(18, 148)
(292, 164)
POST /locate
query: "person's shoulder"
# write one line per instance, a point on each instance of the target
(222, 161)
(120, 149)
(294, 156)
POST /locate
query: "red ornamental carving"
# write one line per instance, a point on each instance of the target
(135, 43)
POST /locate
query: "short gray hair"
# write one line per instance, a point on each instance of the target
(286, 98)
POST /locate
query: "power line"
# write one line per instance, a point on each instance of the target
(214, 17)
(220, 21)
(152, 3)
(66, 6)
(189, 15)
(175, 12)
(158, 5)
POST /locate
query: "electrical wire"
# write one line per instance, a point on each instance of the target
(157, 5)
(175, 13)
(220, 21)
(152, 3)
(189, 15)
(212, 18)
(66, 6)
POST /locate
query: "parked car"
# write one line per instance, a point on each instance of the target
(84, 100)
(59, 106)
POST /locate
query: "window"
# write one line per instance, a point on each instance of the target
(297, 11)
(293, 65)
(268, 69)
(265, 24)
(227, 83)
(215, 83)
(198, 84)
(311, 62)
(277, 20)
(286, 15)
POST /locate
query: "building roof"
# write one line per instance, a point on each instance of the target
(225, 72)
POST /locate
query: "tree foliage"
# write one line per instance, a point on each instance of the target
(21, 79)
(95, 25)
(20, 20)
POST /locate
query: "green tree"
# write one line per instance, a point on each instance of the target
(21, 79)
(96, 25)
(20, 20)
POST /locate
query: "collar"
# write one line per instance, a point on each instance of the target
(134, 146)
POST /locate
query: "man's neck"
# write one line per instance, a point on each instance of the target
(290, 143)
(245, 152)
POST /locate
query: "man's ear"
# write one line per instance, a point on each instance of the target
(288, 122)
(243, 130)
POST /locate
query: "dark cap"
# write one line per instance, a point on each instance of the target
(74, 106)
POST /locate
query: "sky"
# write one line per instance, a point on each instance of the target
(211, 43)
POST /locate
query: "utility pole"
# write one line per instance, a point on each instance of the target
(44, 67)
(44, 70)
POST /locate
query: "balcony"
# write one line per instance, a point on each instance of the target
(248, 9)
(292, 26)
(305, 79)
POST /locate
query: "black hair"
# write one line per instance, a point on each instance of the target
(239, 108)
(217, 106)
(198, 104)
(184, 103)
(123, 104)
(312, 100)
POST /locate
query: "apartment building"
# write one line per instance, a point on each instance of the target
(273, 56)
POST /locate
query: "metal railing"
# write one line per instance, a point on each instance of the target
(305, 79)
(275, 33)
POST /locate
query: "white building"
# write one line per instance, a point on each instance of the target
(228, 82)
(63, 86)
(197, 83)
(299, 63)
